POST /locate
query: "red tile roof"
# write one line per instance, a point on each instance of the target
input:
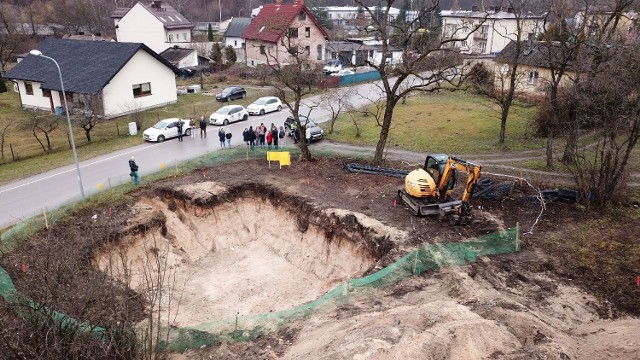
(273, 19)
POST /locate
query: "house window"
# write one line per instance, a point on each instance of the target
(319, 55)
(482, 47)
(533, 77)
(307, 32)
(302, 16)
(28, 87)
(170, 38)
(293, 32)
(307, 50)
(46, 93)
(262, 51)
(141, 90)
(235, 43)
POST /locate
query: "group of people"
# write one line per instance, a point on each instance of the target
(261, 136)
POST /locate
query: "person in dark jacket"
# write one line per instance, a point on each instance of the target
(222, 137)
(252, 137)
(274, 136)
(180, 126)
(203, 127)
(228, 136)
(245, 136)
(134, 171)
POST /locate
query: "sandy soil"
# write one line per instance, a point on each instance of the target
(245, 257)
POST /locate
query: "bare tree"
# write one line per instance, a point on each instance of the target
(503, 88)
(566, 49)
(9, 37)
(294, 72)
(337, 101)
(90, 114)
(3, 132)
(609, 101)
(429, 62)
(44, 125)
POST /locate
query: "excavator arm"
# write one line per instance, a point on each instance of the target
(453, 164)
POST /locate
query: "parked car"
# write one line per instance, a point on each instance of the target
(166, 129)
(264, 105)
(333, 66)
(228, 114)
(316, 132)
(231, 93)
(344, 72)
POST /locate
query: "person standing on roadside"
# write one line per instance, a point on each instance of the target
(251, 135)
(203, 127)
(274, 136)
(221, 137)
(134, 171)
(228, 136)
(269, 138)
(245, 136)
(192, 125)
(180, 127)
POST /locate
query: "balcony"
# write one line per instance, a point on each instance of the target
(480, 35)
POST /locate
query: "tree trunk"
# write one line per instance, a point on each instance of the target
(550, 148)
(87, 133)
(384, 132)
(571, 144)
(503, 121)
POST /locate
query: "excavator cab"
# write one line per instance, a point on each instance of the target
(435, 166)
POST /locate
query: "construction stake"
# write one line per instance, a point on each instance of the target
(517, 236)
(46, 222)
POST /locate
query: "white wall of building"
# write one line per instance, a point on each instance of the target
(142, 68)
(492, 35)
(36, 100)
(140, 26)
(235, 42)
(190, 60)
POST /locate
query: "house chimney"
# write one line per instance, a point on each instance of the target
(510, 10)
(474, 8)
(278, 2)
(157, 4)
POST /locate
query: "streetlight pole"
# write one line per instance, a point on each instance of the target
(66, 110)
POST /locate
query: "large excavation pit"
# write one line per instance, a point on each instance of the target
(224, 252)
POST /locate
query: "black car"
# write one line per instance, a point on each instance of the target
(231, 93)
(316, 132)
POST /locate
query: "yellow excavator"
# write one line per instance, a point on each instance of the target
(428, 191)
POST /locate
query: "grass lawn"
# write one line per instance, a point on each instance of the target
(445, 122)
(106, 137)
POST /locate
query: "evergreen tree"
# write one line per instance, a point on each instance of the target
(216, 55)
(230, 54)
(210, 33)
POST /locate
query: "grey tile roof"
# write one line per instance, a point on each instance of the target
(547, 55)
(237, 26)
(86, 66)
(170, 18)
(175, 54)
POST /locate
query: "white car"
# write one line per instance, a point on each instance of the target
(333, 66)
(166, 129)
(344, 72)
(264, 105)
(228, 114)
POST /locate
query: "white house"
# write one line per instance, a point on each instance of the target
(107, 79)
(158, 25)
(498, 28)
(233, 34)
(180, 57)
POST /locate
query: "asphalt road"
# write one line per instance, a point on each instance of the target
(31, 196)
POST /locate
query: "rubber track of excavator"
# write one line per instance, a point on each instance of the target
(375, 170)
